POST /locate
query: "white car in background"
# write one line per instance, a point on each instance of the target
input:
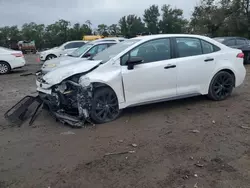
(86, 51)
(65, 48)
(142, 70)
(10, 59)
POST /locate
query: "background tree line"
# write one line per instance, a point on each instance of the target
(210, 17)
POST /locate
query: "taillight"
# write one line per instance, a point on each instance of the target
(240, 55)
(17, 54)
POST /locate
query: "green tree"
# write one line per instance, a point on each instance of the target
(35, 32)
(131, 26)
(103, 30)
(151, 19)
(172, 20)
(114, 30)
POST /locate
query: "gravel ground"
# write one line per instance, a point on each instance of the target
(180, 144)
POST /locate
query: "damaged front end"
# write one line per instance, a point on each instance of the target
(69, 102)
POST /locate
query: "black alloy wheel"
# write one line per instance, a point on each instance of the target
(105, 107)
(221, 86)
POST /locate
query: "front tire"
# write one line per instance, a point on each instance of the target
(105, 107)
(221, 86)
(4, 68)
(49, 57)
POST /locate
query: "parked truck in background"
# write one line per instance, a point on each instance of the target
(27, 46)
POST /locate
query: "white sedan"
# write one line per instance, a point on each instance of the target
(65, 48)
(142, 70)
(10, 59)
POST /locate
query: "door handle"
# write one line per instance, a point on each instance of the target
(209, 59)
(170, 67)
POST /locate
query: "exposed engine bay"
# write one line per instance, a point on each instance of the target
(70, 102)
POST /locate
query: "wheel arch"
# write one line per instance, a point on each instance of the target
(6, 63)
(50, 54)
(230, 71)
(97, 85)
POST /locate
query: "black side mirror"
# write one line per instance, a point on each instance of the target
(87, 55)
(133, 61)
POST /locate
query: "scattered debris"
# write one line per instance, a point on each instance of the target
(67, 133)
(244, 127)
(27, 74)
(199, 165)
(195, 131)
(134, 145)
(213, 122)
(119, 153)
(169, 132)
(192, 158)
(196, 186)
(121, 141)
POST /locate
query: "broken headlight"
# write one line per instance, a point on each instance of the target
(84, 81)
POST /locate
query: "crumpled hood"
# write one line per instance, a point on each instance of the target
(59, 62)
(58, 75)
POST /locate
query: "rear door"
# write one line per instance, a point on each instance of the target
(196, 61)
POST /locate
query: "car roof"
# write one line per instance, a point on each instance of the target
(148, 37)
(102, 42)
(76, 41)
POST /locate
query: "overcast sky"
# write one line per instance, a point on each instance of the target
(17, 12)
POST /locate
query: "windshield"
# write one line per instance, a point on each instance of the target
(79, 51)
(114, 50)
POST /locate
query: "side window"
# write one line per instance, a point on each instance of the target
(93, 50)
(68, 46)
(151, 51)
(111, 44)
(188, 47)
(101, 47)
(240, 41)
(78, 44)
(207, 47)
(230, 42)
(74, 45)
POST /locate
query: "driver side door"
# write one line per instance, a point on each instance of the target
(153, 79)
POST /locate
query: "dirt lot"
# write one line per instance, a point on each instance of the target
(168, 153)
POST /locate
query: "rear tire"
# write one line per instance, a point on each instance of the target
(4, 67)
(221, 86)
(105, 107)
(51, 56)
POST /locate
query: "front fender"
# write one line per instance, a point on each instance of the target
(113, 79)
